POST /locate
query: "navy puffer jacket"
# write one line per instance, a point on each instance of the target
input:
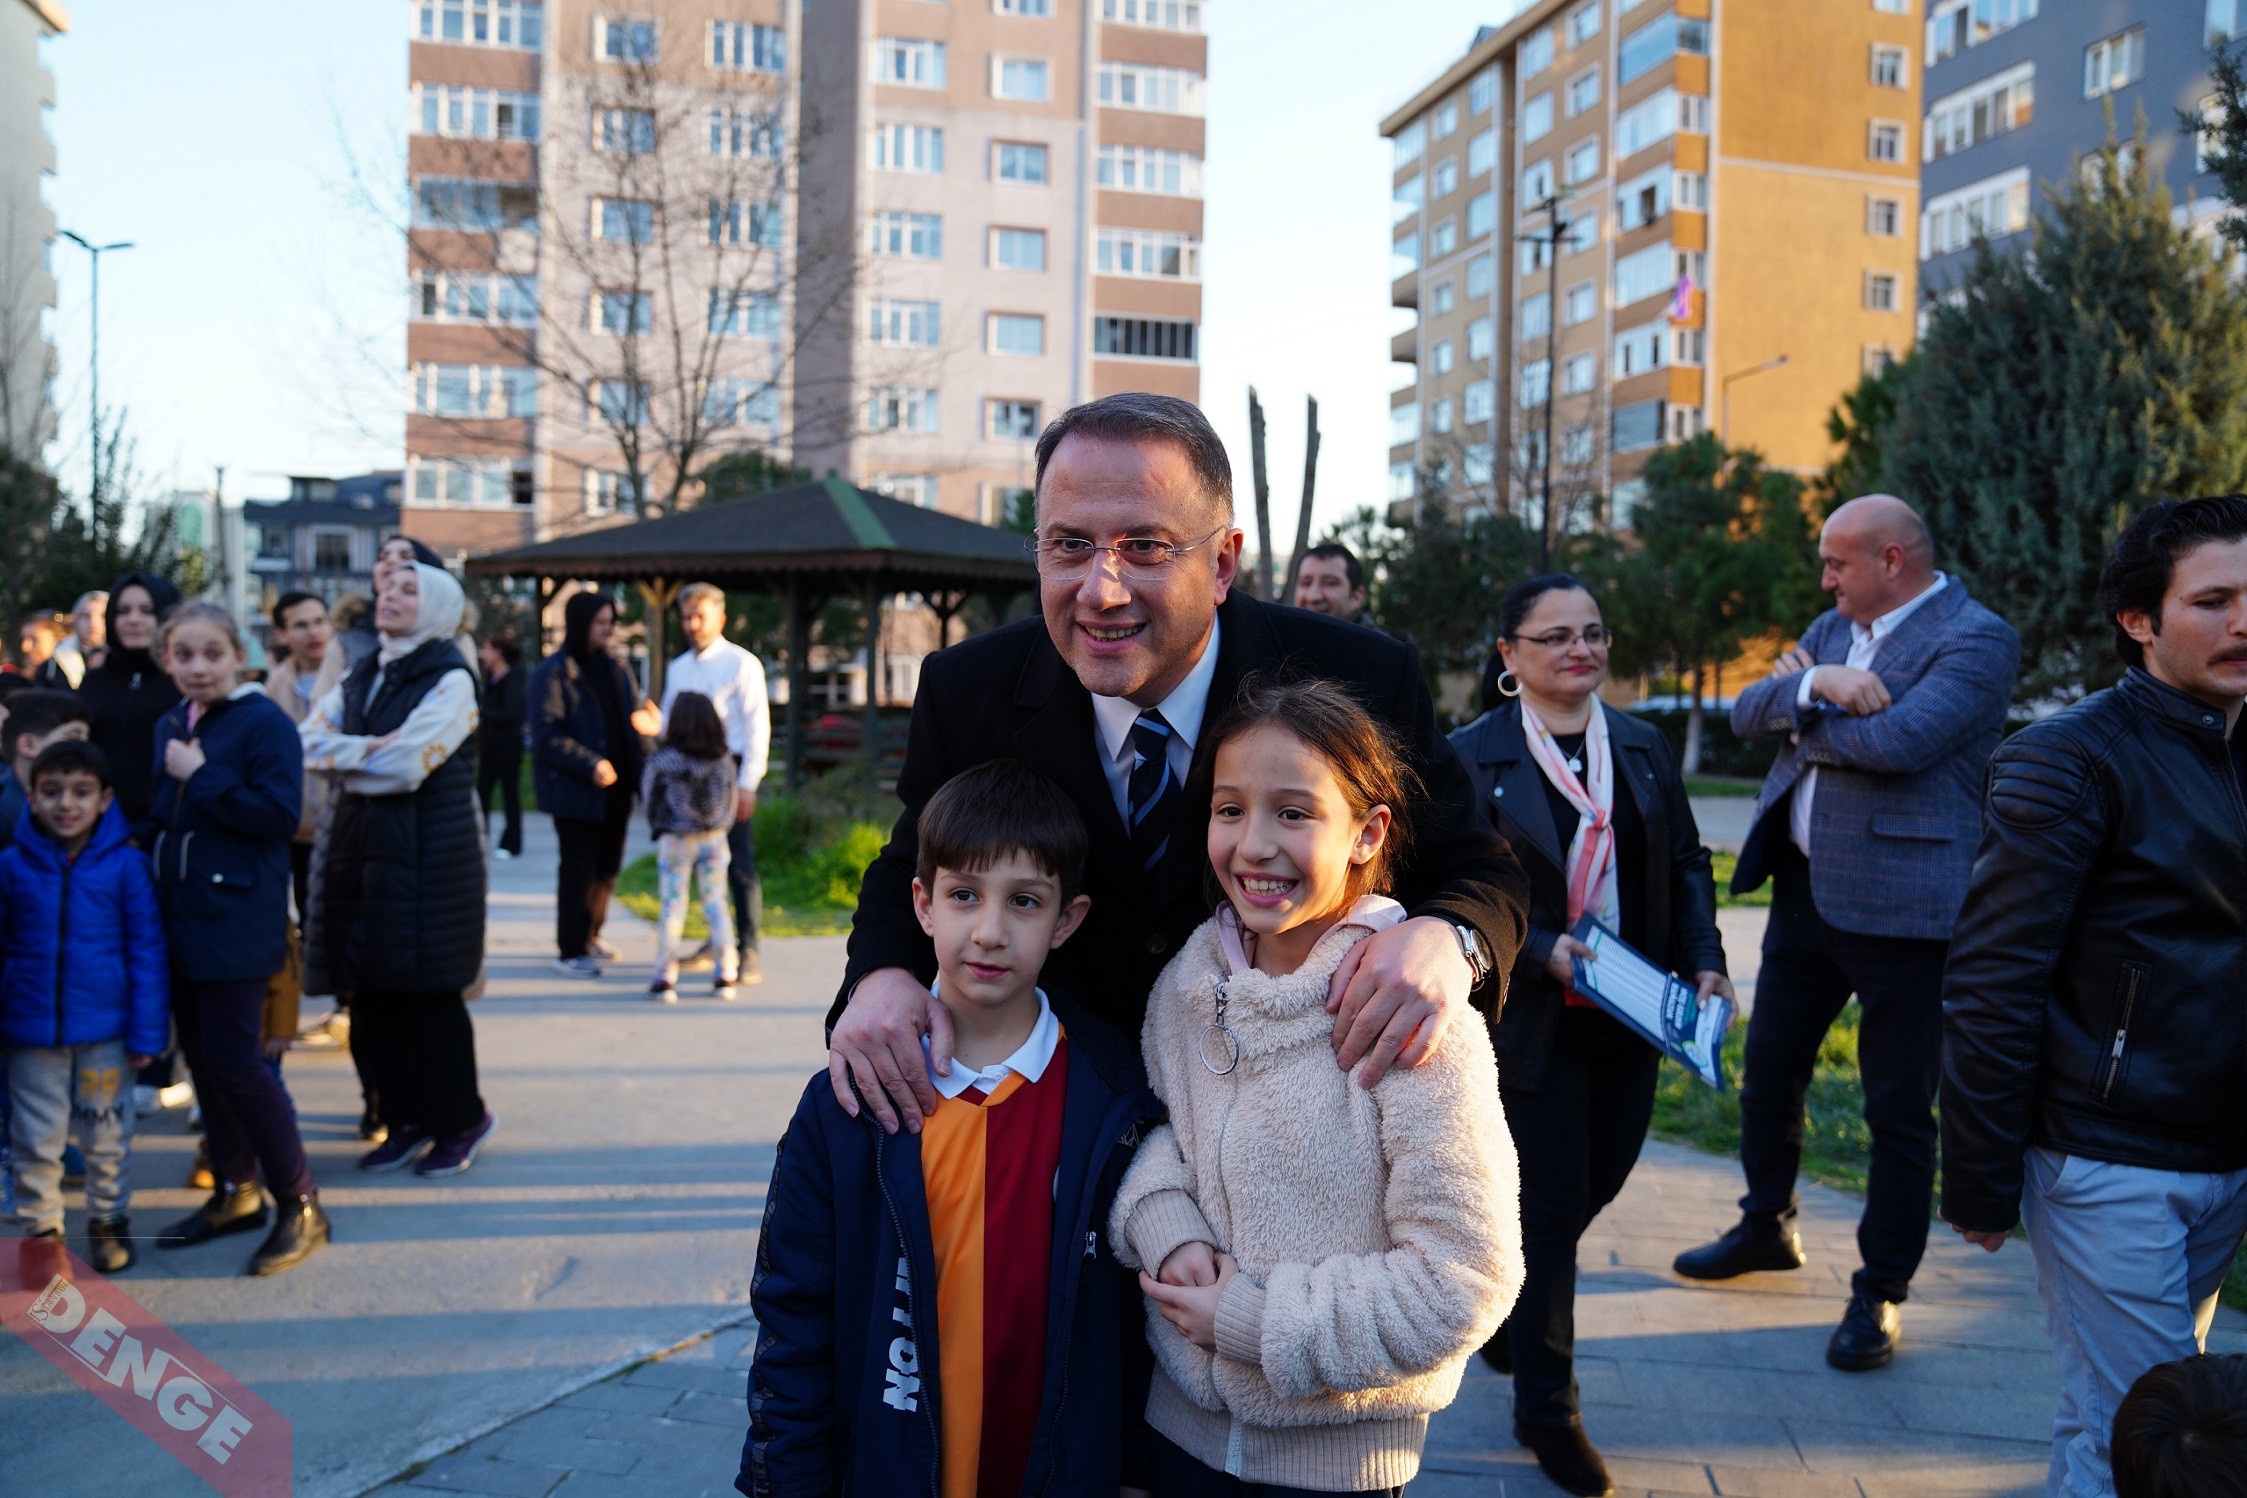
(222, 851)
(81, 942)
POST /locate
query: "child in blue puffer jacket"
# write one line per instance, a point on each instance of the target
(84, 993)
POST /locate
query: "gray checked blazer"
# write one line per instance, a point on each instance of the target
(1898, 809)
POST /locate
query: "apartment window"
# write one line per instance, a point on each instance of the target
(1958, 24)
(1445, 121)
(1407, 250)
(1403, 483)
(1529, 450)
(1017, 333)
(1536, 254)
(1875, 359)
(898, 408)
(1440, 299)
(1407, 197)
(1643, 199)
(1147, 253)
(1124, 85)
(629, 313)
(1482, 153)
(1479, 277)
(1576, 446)
(745, 223)
(1443, 239)
(908, 148)
(631, 131)
(1644, 274)
(1581, 233)
(465, 296)
(1027, 80)
(1991, 208)
(518, 24)
(1640, 349)
(1441, 357)
(331, 551)
(608, 492)
(1143, 338)
(1583, 91)
(744, 314)
(727, 403)
(904, 324)
(1162, 15)
(2114, 63)
(1439, 416)
(1880, 291)
(1032, 9)
(1692, 190)
(1012, 420)
(1582, 162)
(624, 38)
(1404, 425)
(1019, 161)
(1582, 303)
(1409, 143)
(474, 203)
(1888, 65)
(744, 132)
(1445, 177)
(624, 220)
(1481, 93)
(1636, 426)
(1536, 317)
(1482, 214)
(483, 482)
(1176, 174)
(475, 390)
(1536, 185)
(476, 113)
(1657, 42)
(1886, 142)
(1537, 118)
(1018, 249)
(1476, 463)
(1536, 382)
(1884, 217)
(1657, 117)
(1992, 107)
(1689, 345)
(1583, 24)
(2226, 19)
(1537, 52)
(1579, 374)
(1683, 422)
(1480, 344)
(748, 47)
(909, 63)
(1479, 401)
(918, 489)
(906, 236)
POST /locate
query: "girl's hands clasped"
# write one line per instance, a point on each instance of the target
(1192, 1308)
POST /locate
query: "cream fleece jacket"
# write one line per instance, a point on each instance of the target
(1378, 1233)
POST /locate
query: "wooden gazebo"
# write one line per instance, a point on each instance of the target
(807, 545)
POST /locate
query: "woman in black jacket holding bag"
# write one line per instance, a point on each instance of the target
(1591, 801)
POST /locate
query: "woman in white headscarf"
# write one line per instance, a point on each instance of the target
(398, 918)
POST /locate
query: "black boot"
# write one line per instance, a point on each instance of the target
(109, 1245)
(1567, 1456)
(1867, 1336)
(1750, 1245)
(300, 1230)
(231, 1209)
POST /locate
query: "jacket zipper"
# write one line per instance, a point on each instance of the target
(929, 1381)
(62, 943)
(2133, 974)
(185, 840)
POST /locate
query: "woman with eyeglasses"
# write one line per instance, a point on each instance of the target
(1591, 801)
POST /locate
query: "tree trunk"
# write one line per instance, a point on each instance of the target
(1263, 574)
(1310, 488)
(1692, 756)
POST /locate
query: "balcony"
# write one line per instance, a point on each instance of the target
(1404, 291)
(1404, 348)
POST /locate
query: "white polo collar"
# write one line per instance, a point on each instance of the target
(1031, 1058)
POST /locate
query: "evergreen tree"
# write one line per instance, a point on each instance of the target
(1858, 425)
(2224, 139)
(2058, 391)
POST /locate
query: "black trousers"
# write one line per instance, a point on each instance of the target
(419, 1049)
(1577, 1138)
(1178, 1475)
(499, 762)
(1810, 969)
(248, 1122)
(592, 853)
(742, 883)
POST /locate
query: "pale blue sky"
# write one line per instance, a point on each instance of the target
(258, 322)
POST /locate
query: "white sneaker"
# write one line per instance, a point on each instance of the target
(603, 950)
(502, 854)
(577, 967)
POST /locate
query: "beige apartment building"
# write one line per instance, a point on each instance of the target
(885, 238)
(1629, 221)
(27, 226)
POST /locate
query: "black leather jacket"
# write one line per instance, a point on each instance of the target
(2096, 996)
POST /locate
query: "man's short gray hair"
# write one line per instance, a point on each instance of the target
(1139, 416)
(695, 595)
(97, 599)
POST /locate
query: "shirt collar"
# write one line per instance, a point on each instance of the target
(1886, 624)
(710, 651)
(1031, 1058)
(1183, 709)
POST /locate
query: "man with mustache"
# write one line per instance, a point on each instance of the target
(2095, 1055)
(1143, 642)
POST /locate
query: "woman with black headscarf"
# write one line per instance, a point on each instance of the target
(129, 691)
(585, 760)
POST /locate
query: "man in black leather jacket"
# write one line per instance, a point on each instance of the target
(2095, 1002)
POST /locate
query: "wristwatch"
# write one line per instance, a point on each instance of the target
(1476, 950)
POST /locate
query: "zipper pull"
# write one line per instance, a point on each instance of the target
(2120, 1036)
(1091, 1244)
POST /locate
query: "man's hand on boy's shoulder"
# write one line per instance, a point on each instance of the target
(877, 1042)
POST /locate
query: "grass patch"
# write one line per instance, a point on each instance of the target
(812, 850)
(1720, 785)
(1722, 863)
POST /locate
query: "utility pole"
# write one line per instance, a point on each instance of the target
(1556, 230)
(93, 362)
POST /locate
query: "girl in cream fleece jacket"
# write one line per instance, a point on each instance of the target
(1319, 1259)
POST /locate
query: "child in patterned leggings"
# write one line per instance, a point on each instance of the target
(688, 788)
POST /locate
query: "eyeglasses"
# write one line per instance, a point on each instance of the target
(1594, 638)
(1065, 557)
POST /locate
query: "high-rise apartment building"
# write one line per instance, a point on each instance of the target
(27, 227)
(1614, 220)
(2019, 92)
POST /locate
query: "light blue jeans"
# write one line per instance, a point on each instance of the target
(2128, 1263)
(703, 857)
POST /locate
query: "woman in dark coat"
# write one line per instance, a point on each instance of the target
(398, 916)
(585, 763)
(1591, 801)
(128, 691)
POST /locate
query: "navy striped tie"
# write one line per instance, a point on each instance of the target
(1153, 791)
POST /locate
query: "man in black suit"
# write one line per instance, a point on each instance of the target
(1144, 643)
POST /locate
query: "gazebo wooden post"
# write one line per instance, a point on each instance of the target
(870, 600)
(656, 597)
(799, 678)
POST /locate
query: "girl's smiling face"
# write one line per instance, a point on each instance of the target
(1284, 839)
(203, 661)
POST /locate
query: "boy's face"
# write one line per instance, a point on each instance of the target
(25, 747)
(994, 927)
(68, 803)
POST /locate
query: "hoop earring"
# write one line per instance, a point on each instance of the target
(1505, 690)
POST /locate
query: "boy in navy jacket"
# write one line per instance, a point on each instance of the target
(939, 1312)
(84, 997)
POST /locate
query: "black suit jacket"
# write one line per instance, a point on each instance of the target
(1008, 694)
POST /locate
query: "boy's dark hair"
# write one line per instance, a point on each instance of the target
(70, 757)
(2144, 560)
(39, 713)
(1002, 806)
(1352, 568)
(1332, 724)
(2181, 1431)
(694, 727)
(288, 601)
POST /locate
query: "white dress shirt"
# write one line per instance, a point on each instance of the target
(1183, 710)
(1030, 1058)
(734, 681)
(1864, 644)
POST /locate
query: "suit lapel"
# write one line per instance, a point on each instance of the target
(1057, 734)
(1518, 786)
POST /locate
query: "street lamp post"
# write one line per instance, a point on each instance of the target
(1726, 386)
(93, 361)
(1556, 230)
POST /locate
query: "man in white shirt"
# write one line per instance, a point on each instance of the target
(734, 681)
